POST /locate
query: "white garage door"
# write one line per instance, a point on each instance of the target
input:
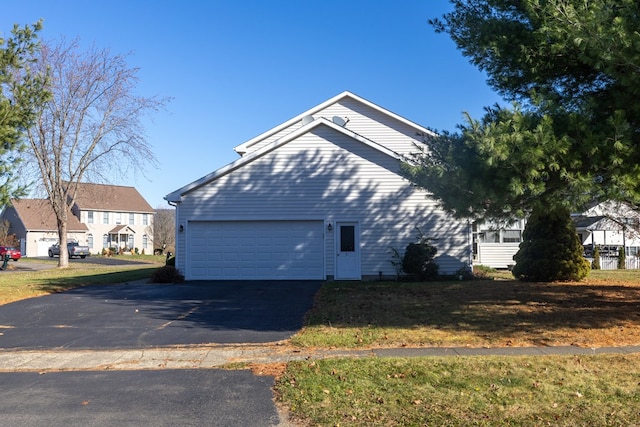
(241, 250)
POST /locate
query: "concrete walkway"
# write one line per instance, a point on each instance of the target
(207, 357)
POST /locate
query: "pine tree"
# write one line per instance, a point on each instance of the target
(622, 258)
(596, 259)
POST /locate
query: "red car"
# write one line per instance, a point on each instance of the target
(14, 254)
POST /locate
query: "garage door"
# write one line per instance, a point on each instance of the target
(241, 250)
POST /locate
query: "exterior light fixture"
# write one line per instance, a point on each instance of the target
(330, 227)
(181, 228)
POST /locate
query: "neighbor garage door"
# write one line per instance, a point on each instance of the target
(223, 250)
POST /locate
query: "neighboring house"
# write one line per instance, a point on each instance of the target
(34, 224)
(116, 216)
(494, 245)
(103, 216)
(608, 225)
(317, 197)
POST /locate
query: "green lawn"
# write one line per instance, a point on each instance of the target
(464, 391)
(16, 284)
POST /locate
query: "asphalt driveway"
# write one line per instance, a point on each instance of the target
(143, 315)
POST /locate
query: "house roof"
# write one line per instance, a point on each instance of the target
(38, 215)
(176, 196)
(249, 156)
(243, 148)
(114, 198)
(119, 228)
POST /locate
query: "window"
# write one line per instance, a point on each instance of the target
(105, 218)
(145, 242)
(105, 241)
(347, 238)
(145, 219)
(132, 218)
(511, 236)
(90, 217)
(90, 240)
(130, 244)
(118, 218)
(489, 236)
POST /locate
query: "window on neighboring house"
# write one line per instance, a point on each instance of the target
(130, 241)
(145, 219)
(105, 241)
(132, 218)
(145, 242)
(90, 241)
(511, 236)
(118, 218)
(489, 236)
(90, 217)
(105, 217)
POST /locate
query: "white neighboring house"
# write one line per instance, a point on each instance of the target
(103, 216)
(608, 225)
(494, 246)
(317, 197)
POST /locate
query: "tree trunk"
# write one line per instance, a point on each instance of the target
(63, 260)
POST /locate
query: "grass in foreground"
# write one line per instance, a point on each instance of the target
(602, 311)
(509, 391)
(18, 285)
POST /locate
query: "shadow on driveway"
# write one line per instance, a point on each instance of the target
(150, 315)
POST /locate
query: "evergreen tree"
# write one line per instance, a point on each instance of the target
(22, 93)
(622, 258)
(572, 135)
(550, 249)
(596, 259)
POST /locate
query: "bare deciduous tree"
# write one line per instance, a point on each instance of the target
(163, 229)
(92, 127)
(7, 239)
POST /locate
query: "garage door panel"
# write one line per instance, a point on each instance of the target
(255, 250)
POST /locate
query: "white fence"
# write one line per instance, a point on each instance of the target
(611, 262)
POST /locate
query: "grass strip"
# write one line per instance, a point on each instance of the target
(16, 285)
(481, 391)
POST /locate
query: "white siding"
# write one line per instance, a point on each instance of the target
(365, 121)
(497, 255)
(325, 174)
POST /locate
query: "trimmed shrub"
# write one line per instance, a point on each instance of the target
(551, 249)
(596, 259)
(418, 260)
(167, 274)
(622, 258)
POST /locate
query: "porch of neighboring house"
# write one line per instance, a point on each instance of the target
(609, 236)
(121, 237)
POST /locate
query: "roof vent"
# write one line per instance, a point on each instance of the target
(339, 120)
(307, 119)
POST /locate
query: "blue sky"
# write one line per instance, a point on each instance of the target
(237, 68)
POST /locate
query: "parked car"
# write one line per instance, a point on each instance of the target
(73, 247)
(14, 254)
